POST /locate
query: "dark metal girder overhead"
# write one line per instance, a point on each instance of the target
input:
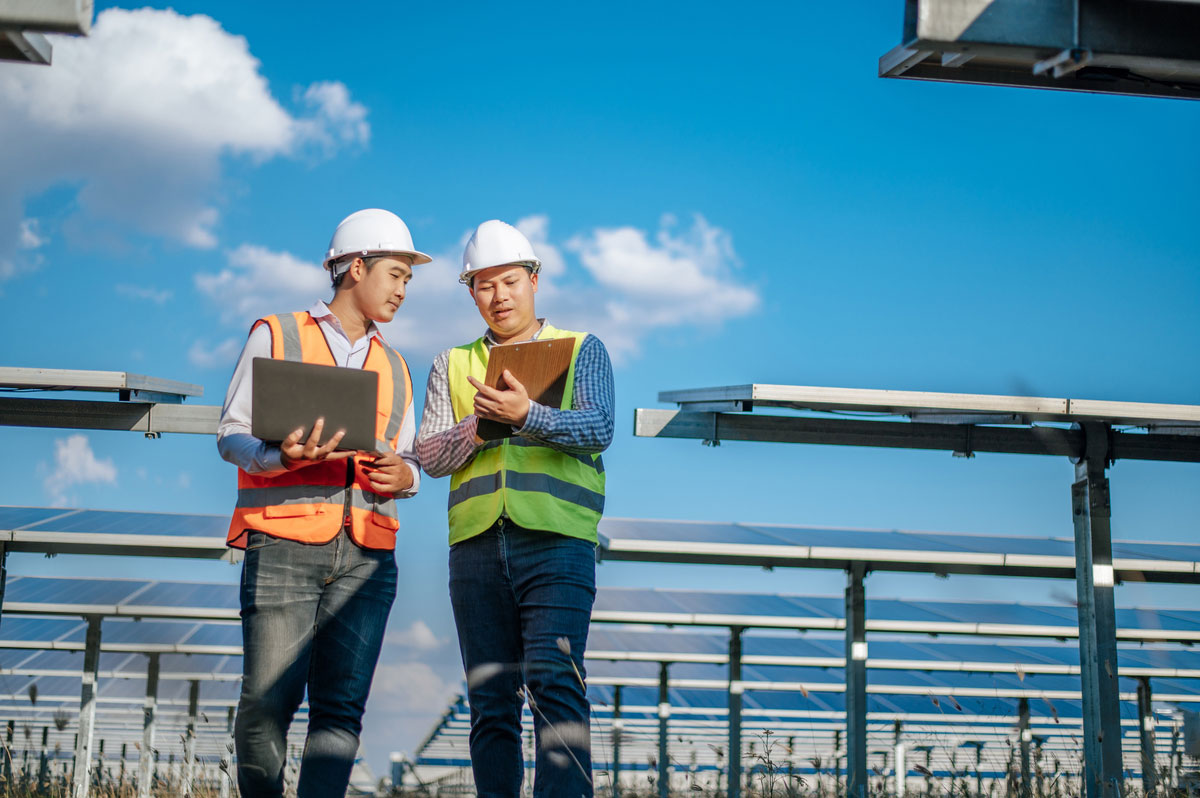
(1147, 48)
(963, 439)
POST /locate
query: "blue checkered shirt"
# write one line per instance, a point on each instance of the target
(443, 447)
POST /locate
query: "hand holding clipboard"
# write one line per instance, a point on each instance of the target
(539, 369)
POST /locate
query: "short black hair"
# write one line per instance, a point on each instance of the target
(367, 261)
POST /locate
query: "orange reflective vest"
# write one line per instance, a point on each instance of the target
(312, 504)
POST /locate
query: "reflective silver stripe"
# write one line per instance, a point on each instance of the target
(399, 395)
(566, 491)
(292, 494)
(373, 502)
(291, 337)
(479, 486)
(517, 440)
(383, 447)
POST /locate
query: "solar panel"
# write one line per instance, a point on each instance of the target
(898, 550)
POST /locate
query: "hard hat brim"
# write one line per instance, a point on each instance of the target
(465, 276)
(418, 258)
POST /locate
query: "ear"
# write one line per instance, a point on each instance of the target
(533, 278)
(471, 290)
(358, 269)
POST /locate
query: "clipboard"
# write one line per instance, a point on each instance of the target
(541, 366)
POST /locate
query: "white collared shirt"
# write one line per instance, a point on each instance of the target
(254, 456)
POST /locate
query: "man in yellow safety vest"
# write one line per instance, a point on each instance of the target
(523, 512)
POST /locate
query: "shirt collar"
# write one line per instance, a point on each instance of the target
(321, 312)
(490, 340)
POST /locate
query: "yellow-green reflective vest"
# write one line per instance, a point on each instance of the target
(536, 486)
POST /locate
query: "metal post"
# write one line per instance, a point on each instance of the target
(8, 746)
(87, 708)
(979, 769)
(837, 761)
(735, 711)
(44, 760)
(1026, 735)
(1097, 616)
(226, 772)
(149, 721)
(1176, 755)
(1146, 733)
(617, 726)
(664, 714)
(189, 740)
(856, 684)
(901, 763)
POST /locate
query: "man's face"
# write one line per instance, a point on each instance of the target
(504, 296)
(380, 290)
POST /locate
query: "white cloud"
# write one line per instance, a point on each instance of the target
(76, 464)
(140, 114)
(407, 688)
(28, 236)
(631, 284)
(257, 281)
(156, 295)
(223, 355)
(417, 636)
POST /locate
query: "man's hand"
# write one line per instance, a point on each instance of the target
(388, 473)
(509, 406)
(294, 454)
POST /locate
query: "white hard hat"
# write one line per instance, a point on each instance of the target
(496, 243)
(372, 232)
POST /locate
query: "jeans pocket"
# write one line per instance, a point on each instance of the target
(259, 540)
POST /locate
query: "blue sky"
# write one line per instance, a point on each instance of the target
(725, 195)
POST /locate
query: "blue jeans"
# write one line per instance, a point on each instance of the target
(522, 603)
(312, 617)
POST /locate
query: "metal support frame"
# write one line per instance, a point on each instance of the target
(1146, 735)
(8, 746)
(1097, 616)
(226, 772)
(189, 740)
(617, 728)
(1025, 735)
(87, 708)
(664, 715)
(856, 684)
(149, 722)
(735, 711)
(901, 761)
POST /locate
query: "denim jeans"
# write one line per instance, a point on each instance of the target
(516, 594)
(312, 617)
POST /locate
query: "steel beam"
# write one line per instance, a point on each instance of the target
(1146, 727)
(1026, 737)
(1097, 616)
(735, 711)
(901, 762)
(856, 685)
(617, 726)
(87, 709)
(964, 439)
(132, 416)
(664, 715)
(149, 721)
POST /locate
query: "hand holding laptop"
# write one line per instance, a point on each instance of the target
(295, 454)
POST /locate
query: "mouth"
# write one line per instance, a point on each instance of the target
(502, 314)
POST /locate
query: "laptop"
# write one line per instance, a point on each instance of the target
(288, 395)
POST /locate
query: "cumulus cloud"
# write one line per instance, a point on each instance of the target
(255, 282)
(140, 115)
(76, 464)
(410, 688)
(626, 284)
(417, 636)
(158, 296)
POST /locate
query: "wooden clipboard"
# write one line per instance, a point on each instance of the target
(541, 366)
